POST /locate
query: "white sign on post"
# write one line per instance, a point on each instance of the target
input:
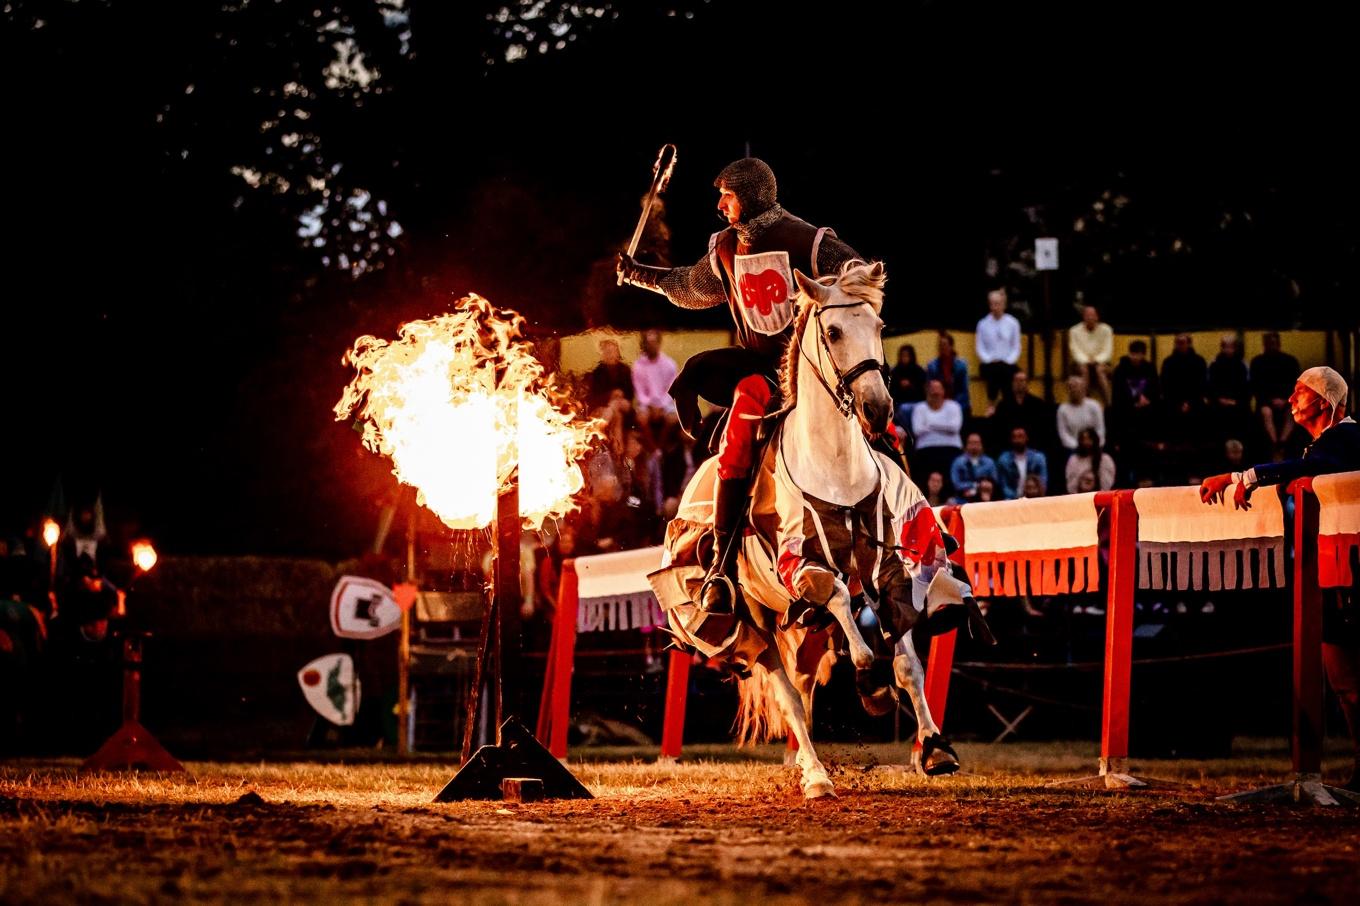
(330, 687)
(363, 609)
(1046, 254)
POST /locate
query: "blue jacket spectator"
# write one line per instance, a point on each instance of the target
(970, 468)
(952, 372)
(1018, 463)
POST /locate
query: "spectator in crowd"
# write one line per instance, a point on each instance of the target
(1019, 408)
(653, 373)
(1090, 344)
(1077, 414)
(1184, 380)
(935, 424)
(1234, 456)
(1034, 487)
(1018, 463)
(986, 490)
(1132, 418)
(1272, 380)
(674, 464)
(610, 375)
(1089, 460)
(998, 345)
(1228, 389)
(1184, 432)
(1134, 386)
(1319, 405)
(934, 489)
(907, 384)
(641, 482)
(970, 466)
(952, 373)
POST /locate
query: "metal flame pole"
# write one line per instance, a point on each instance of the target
(517, 765)
(509, 599)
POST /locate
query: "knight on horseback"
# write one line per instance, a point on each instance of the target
(749, 266)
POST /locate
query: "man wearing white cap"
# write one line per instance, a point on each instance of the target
(1318, 404)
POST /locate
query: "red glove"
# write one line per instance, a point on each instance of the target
(1213, 488)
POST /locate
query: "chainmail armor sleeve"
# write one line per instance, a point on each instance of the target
(833, 253)
(693, 287)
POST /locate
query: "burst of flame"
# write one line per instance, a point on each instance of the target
(456, 402)
(143, 555)
(51, 532)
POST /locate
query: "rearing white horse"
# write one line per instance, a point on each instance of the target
(830, 516)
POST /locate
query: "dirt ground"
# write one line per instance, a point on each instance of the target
(722, 827)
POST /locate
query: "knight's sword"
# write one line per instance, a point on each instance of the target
(661, 175)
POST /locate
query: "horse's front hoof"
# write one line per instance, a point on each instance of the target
(937, 756)
(820, 789)
(939, 764)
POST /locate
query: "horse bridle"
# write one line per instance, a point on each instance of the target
(841, 393)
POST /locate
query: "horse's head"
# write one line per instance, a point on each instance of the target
(841, 340)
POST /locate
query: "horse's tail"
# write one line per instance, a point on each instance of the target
(759, 717)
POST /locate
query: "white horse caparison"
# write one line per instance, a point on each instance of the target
(838, 395)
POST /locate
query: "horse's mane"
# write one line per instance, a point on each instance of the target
(862, 282)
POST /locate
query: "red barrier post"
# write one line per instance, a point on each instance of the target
(677, 688)
(555, 703)
(940, 661)
(1114, 734)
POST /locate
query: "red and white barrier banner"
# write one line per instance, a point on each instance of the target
(614, 592)
(1185, 544)
(1338, 527)
(1040, 546)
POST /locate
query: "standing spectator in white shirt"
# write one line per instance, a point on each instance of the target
(998, 345)
(653, 373)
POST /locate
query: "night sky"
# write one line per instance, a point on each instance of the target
(174, 341)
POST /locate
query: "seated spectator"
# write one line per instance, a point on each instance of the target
(952, 373)
(935, 425)
(986, 490)
(970, 467)
(1019, 408)
(907, 384)
(934, 489)
(1078, 414)
(1133, 418)
(1134, 386)
(1184, 379)
(610, 375)
(1018, 463)
(1228, 389)
(1234, 456)
(641, 481)
(1272, 381)
(1088, 466)
(1090, 344)
(997, 341)
(1034, 486)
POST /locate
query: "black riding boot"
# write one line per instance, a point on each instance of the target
(718, 594)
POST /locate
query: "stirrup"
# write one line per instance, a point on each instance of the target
(731, 595)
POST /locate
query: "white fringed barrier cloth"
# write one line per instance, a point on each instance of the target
(614, 593)
(1338, 527)
(1040, 546)
(1185, 544)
